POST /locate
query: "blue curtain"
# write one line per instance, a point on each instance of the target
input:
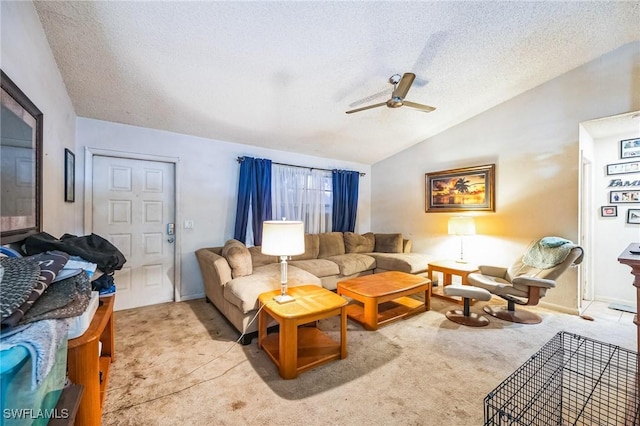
(254, 189)
(345, 200)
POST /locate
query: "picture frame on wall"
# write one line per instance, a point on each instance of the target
(609, 211)
(622, 168)
(464, 189)
(69, 176)
(625, 196)
(630, 148)
(633, 216)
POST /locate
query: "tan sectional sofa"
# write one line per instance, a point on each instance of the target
(235, 275)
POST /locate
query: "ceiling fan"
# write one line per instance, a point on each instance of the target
(401, 86)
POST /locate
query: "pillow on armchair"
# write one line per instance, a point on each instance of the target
(239, 258)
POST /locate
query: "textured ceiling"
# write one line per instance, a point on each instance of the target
(282, 74)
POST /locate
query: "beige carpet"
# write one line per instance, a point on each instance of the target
(177, 363)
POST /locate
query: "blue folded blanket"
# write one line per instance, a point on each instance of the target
(42, 339)
(552, 242)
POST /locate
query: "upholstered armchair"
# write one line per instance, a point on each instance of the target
(527, 280)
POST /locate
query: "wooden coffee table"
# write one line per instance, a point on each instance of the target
(297, 349)
(383, 297)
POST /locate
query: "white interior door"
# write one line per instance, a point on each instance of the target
(133, 204)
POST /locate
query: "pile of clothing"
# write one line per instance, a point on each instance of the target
(51, 283)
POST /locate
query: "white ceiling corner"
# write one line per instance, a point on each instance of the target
(282, 74)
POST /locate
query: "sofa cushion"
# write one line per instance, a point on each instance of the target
(331, 244)
(318, 267)
(388, 243)
(359, 243)
(353, 263)
(243, 292)
(260, 259)
(238, 257)
(411, 263)
(311, 248)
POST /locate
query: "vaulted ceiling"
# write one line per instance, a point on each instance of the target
(282, 74)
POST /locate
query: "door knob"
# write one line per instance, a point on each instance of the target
(170, 239)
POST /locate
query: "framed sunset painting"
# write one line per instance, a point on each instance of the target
(467, 189)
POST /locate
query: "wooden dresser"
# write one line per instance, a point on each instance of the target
(89, 367)
(630, 256)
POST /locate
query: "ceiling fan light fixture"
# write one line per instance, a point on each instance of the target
(401, 86)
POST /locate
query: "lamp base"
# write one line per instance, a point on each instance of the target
(283, 298)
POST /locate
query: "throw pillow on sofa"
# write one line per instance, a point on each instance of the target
(311, 248)
(239, 258)
(356, 243)
(331, 244)
(388, 243)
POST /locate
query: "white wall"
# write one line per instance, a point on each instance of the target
(209, 180)
(613, 281)
(27, 59)
(533, 140)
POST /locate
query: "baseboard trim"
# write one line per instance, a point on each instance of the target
(191, 297)
(559, 308)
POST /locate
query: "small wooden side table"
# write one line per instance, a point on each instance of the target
(297, 349)
(88, 367)
(448, 268)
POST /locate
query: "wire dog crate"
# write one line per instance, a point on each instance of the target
(571, 380)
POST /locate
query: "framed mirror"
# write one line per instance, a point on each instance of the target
(21, 168)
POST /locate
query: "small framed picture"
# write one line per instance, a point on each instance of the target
(618, 197)
(69, 176)
(621, 168)
(609, 211)
(633, 216)
(630, 148)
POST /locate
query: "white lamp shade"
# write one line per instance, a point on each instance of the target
(462, 225)
(282, 237)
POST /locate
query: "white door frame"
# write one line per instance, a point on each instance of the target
(88, 197)
(585, 230)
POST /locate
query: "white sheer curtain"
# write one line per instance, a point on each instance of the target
(302, 194)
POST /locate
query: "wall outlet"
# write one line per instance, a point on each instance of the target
(188, 224)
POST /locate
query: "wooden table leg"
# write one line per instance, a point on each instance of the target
(262, 327)
(427, 297)
(343, 332)
(370, 313)
(288, 346)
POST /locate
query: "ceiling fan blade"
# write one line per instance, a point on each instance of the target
(367, 107)
(420, 107)
(404, 85)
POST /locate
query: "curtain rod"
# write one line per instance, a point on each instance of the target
(241, 159)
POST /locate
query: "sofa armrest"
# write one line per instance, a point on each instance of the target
(215, 269)
(406, 246)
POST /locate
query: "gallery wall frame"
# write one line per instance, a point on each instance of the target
(464, 189)
(622, 168)
(609, 211)
(69, 176)
(630, 148)
(626, 196)
(633, 216)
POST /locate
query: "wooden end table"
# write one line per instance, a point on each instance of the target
(448, 268)
(383, 297)
(296, 349)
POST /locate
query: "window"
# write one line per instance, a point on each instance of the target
(302, 194)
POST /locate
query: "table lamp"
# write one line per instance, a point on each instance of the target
(283, 238)
(461, 226)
